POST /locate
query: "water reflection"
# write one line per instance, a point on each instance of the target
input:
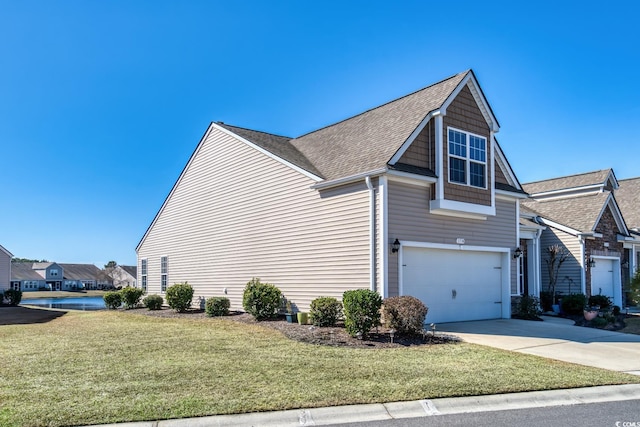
(69, 303)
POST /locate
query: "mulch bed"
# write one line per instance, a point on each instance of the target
(332, 336)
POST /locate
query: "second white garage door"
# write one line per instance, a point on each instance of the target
(455, 285)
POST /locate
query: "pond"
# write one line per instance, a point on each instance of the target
(69, 303)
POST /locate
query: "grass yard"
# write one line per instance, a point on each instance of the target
(106, 366)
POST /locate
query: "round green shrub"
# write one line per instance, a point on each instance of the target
(361, 311)
(13, 297)
(599, 322)
(601, 300)
(574, 303)
(405, 314)
(261, 300)
(153, 302)
(112, 300)
(131, 296)
(179, 296)
(325, 311)
(217, 306)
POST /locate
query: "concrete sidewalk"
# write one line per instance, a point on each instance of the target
(413, 409)
(554, 338)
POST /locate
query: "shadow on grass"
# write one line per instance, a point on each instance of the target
(25, 315)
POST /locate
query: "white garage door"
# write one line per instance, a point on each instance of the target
(602, 278)
(455, 285)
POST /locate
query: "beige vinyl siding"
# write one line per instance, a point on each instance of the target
(5, 270)
(237, 213)
(409, 219)
(570, 268)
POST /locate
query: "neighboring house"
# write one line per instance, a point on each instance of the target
(628, 198)
(85, 276)
(50, 276)
(25, 278)
(124, 275)
(580, 213)
(414, 197)
(5, 270)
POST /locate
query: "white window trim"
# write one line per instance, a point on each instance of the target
(467, 159)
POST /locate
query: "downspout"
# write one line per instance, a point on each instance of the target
(372, 233)
(537, 263)
(583, 278)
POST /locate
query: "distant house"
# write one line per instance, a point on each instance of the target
(25, 278)
(413, 197)
(124, 275)
(51, 276)
(5, 269)
(580, 213)
(85, 276)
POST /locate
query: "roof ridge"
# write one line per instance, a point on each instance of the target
(383, 105)
(566, 176)
(253, 130)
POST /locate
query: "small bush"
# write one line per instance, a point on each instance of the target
(131, 297)
(361, 311)
(325, 311)
(599, 322)
(153, 302)
(12, 296)
(615, 310)
(602, 300)
(405, 314)
(574, 303)
(217, 306)
(261, 300)
(527, 308)
(179, 296)
(112, 300)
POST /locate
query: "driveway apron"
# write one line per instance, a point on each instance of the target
(554, 338)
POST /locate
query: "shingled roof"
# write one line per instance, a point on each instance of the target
(24, 271)
(628, 198)
(567, 182)
(82, 272)
(369, 140)
(579, 213)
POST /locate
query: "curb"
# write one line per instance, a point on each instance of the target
(411, 409)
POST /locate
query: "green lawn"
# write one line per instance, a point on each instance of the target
(109, 366)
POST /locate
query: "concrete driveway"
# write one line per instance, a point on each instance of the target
(555, 338)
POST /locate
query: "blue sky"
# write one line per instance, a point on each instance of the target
(103, 102)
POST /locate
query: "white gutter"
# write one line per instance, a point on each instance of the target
(372, 233)
(347, 179)
(583, 264)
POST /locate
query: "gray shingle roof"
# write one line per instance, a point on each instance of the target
(131, 269)
(565, 182)
(579, 213)
(369, 140)
(279, 145)
(628, 198)
(24, 271)
(82, 272)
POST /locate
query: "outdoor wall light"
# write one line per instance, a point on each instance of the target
(592, 263)
(517, 253)
(625, 264)
(395, 247)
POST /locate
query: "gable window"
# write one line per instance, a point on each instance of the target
(143, 273)
(53, 272)
(163, 274)
(467, 159)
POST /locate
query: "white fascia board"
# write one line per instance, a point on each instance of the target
(396, 157)
(617, 215)
(460, 209)
(560, 227)
(504, 166)
(348, 179)
(409, 178)
(509, 195)
(483, 104)
(6, 251)
(568, 192)
(612, 177)
(268, 153)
